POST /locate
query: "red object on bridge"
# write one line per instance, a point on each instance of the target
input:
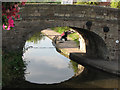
(107, 3)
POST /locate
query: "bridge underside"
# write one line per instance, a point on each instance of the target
(95, 45)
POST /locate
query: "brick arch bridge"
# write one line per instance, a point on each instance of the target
(37, 17)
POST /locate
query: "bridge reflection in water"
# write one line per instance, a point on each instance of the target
(85, 77)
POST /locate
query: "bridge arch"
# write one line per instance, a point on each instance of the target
(95, 45)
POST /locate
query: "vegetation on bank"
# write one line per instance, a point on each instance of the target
(36, 37)
(74, 66)
(13, 68)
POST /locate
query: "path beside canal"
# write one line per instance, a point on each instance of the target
(66, 47)
(72, 51)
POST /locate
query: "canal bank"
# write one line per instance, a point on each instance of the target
(70, 49)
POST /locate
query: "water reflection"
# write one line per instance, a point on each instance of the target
(45, 64)
(13, 69)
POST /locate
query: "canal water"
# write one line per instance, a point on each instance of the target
(45, 64)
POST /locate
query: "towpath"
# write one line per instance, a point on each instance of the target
(68, 46)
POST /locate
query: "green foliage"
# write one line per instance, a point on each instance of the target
(8, 4)
(60, 29)
(13, 68)
(74, 66)
(35, 38)
(93, 3)
(74, 37)
(4, 19)
(80, 3)
(90, 2)
(115, 4)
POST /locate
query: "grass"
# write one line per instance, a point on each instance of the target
(60, 29)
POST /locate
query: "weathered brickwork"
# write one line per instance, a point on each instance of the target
(38, 17)
(119, 35)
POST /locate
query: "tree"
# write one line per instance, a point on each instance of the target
(90, 2)
(115, 4)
